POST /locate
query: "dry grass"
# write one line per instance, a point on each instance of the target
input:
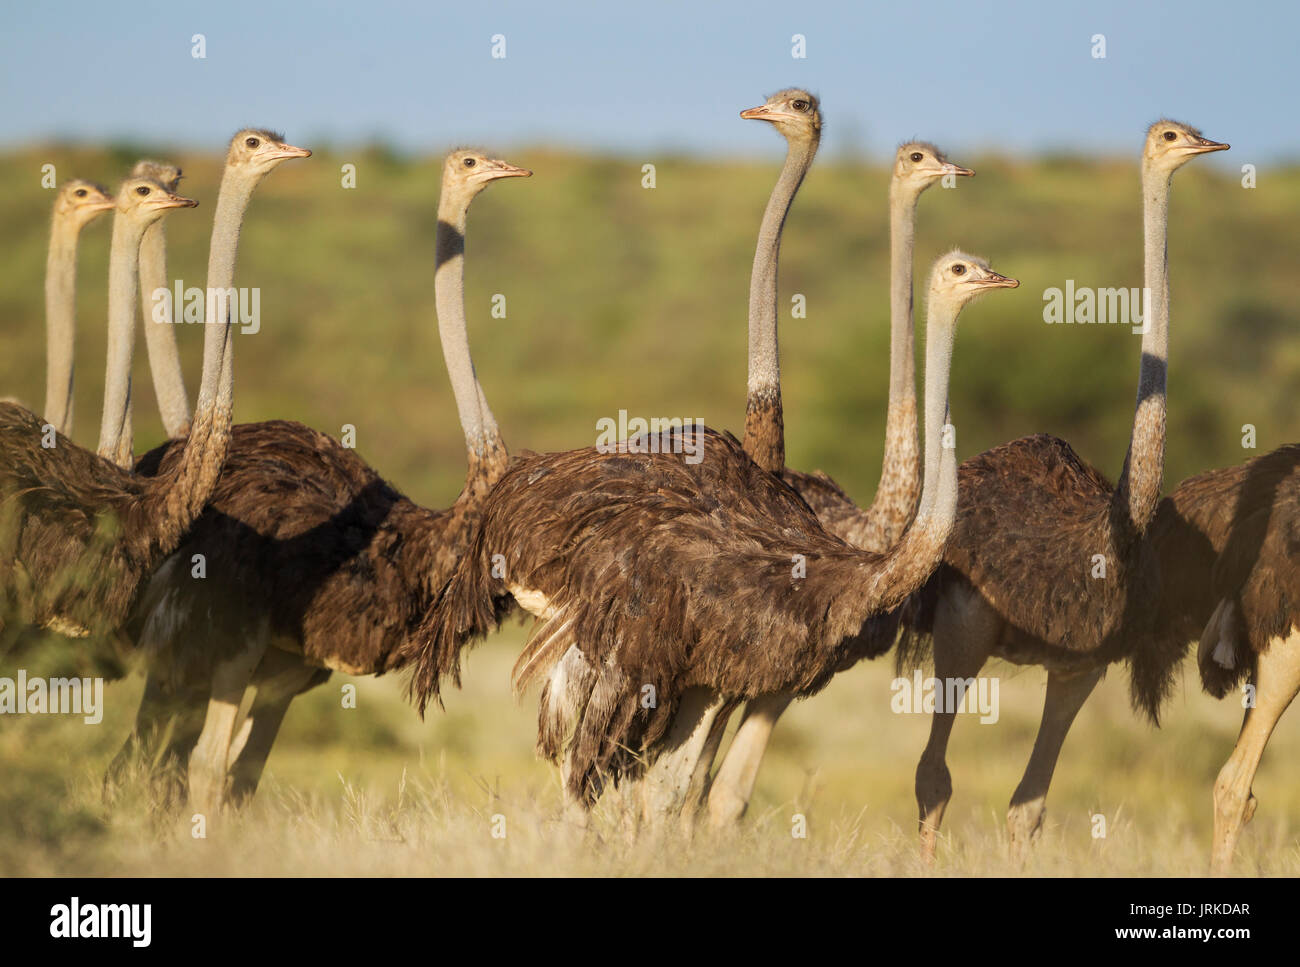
(373, 791)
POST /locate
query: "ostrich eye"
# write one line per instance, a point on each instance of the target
(959, 269)
(916, 157)
(470, 162)
(81, 193)
(800, 105)
(1170, 136)
(252, 142)
(142, 190)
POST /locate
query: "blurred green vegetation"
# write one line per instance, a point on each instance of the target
(625, 297)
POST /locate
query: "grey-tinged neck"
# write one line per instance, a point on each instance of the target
(188, 489)
(897, 496)
(1143, 473)
(902, 335)
(232, 202)
(160, 336)
(907, 565)
(60, 322)
(115, 426)
(764, 433)
(482, 437)
(938, 500)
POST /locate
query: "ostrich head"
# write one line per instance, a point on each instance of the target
(169, 176)
(919, 164)
(468, 171)
(82, 201)
(145, 200)
(794, 112)
(257, 151)
(1171, 144)
(959, 278)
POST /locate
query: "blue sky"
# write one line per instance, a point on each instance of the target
(629, 77)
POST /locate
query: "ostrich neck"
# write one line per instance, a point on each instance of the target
(115, 424)
(160, 336)
(941, 326)
(910, 562)
(902, 235)
(1141, 478)
(764, 423)
(483, 444)
(60, 322)
(188, 489)
(900, 484)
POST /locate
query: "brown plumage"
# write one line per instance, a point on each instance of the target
(1050, 565)
(308, 550)
(651, 575)
(78, 535)
(651, 578)
(1257, 506)
(302, 534)
(1251, 631)
(917, 166)
(1031, 516)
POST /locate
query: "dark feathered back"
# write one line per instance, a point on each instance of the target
(653, 575)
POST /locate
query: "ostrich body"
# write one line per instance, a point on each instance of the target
(646, 571)
(1020, 577)
(917, 166)
(77, 204)
(79, 536)
(311, 554)
(159, 331)
(1227, 541)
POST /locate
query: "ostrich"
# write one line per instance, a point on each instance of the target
(1244, 515)
(917, 166)
(315, 562)
(77, 204)
(1020, 577)
(159, 333)
(796, 114)
(656, 578)
(79, 536)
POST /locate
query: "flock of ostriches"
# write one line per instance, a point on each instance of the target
(667, 591)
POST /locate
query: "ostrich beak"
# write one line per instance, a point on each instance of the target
(176, 201)
(951, 169)
(1204, 145)
(286, 151)
(996, 281)
(106, 205)
(503, 169)
(764, 113)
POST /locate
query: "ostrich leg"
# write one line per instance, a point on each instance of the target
(208, 763)
(667, 784)
(280, 677)
(1276, 680)
(964, 635)
(1065, 696)
(734, 784)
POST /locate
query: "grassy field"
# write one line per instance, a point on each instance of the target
(621, 297)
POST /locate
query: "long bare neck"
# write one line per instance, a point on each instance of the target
(764, 423)
(1138, 490)
(115, 423)
(896, 499)
(909, 562)
(188, 489)
(60, 322)
(483, 445)
(160, 336)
